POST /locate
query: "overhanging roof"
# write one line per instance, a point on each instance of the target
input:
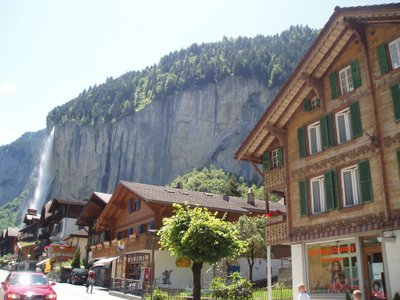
(334, 37)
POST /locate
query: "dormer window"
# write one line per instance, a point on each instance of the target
(345, 80)
(273, 159)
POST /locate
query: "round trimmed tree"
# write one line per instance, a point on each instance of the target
(202, 237)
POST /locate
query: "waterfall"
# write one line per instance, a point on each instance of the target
(44, 179)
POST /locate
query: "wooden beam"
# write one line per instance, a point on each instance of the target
(279, 133)
(358, 29)
(257, 170)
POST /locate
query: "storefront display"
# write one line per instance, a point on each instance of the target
(332, 267)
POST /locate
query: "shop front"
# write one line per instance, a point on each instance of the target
(333, 268)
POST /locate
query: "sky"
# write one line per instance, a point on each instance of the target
(50, 51)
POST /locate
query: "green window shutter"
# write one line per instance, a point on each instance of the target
(396, 100)
(331, 189)
(281, 157)
(301, 135)
(365, 181)
(326, 131)
(383, 59)
(306, 105)
(355, 73)
(303, 197)
(355, 116)
(266, 162)
(334, 86)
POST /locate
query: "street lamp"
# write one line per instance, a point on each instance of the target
(153, 245)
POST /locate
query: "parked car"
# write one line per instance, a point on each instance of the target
(27, 285)
(78, 276)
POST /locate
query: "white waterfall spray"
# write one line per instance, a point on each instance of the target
(44, 178)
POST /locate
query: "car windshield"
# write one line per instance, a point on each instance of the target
(28, 279)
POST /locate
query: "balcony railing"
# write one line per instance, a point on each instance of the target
(276, 230)
(275, 180)
(109, 248)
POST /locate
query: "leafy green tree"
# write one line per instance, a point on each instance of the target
(252, 230)
(76, 261)
(217, 181)
(200, 236)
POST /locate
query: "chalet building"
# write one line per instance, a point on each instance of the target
(29, 231)
(330, 144)
(8, 241)
(126, 234)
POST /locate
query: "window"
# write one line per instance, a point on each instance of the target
(333, 267)
(350, 186)
(275, 159)
(346, 80)
(137, 203)
(315, 103)
(314, 138)
(394, 50)
(343, 126)
(317, 188)
(130, 206)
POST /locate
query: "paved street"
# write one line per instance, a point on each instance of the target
(67, 291)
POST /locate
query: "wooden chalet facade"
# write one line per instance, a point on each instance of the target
(330, 143)
(126, 230)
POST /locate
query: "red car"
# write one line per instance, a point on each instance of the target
(27, 285)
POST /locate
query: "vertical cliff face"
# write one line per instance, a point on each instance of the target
(168, 138)
(18, 163)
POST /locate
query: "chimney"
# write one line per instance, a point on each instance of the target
(225, 198)
(250, 197)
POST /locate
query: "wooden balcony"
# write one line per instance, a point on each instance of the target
(274, 181)
(108, 249)
(276, 231)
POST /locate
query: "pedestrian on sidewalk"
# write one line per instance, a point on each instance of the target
(90, 281)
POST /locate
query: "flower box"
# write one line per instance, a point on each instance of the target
(277, 218)
(106, 243)
(133, 237)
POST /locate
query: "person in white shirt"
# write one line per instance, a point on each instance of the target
(303, 295)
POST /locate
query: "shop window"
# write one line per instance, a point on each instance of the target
(333, 267)
(317, 188)
(314, 138)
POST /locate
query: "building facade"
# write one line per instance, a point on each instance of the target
(329, 143)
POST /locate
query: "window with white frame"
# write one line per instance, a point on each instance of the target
(346, 80)
(315, 103)
(350, 186)
(275, 159)
(314, 138)
(394, 50)
(317, 187)
(343, 126)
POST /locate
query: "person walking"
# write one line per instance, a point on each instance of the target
(90, 281)
(303, 295)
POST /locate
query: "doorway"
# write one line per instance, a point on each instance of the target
(374, 277)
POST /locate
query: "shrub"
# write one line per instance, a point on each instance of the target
(239, 289)
(159, 295)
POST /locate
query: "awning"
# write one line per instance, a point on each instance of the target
(42, 262)
(105, 261)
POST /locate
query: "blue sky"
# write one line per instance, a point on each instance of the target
(50, 51)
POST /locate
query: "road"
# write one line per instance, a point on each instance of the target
(67, 291)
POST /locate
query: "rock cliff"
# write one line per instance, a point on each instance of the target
(168, 138)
